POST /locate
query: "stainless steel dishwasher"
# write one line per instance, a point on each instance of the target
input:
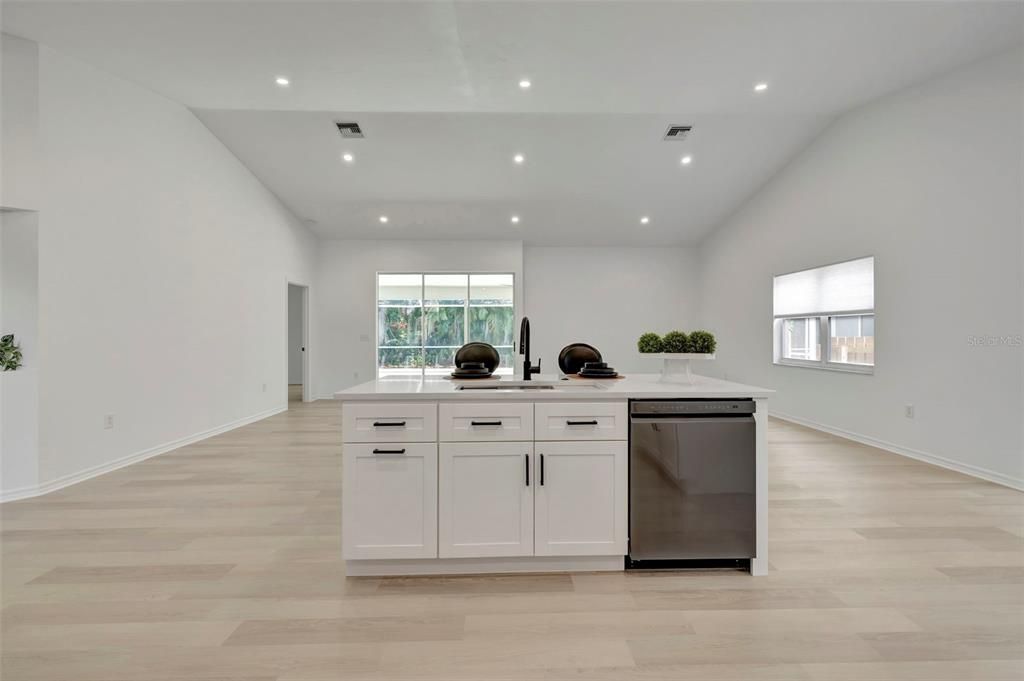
(691, 482)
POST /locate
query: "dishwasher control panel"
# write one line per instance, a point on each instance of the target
(691, 407)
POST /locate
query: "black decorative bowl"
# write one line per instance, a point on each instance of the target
(477, 354)
(573, 356)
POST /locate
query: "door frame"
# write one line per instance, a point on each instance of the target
(306, 391)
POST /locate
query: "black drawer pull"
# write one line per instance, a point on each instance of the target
(527, 470)
(389, 451)
(581, 423)
(542, 470)
(394, 424)
(485, 423)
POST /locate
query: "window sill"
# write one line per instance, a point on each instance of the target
(838, 368)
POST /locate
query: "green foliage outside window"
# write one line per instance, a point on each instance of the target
(411, 336)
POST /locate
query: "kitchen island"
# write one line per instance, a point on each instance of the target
(503, 475)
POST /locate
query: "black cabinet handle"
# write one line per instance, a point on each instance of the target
(581, 423)
(485, 423)
(395, 424)
(389, 451)
(527, 470)
(542, 470)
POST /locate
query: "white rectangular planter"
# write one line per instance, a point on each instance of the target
(676, 365)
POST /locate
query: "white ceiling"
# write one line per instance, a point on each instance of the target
(435, 87)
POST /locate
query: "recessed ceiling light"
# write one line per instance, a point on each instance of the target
(347, 158)
(282, 81)
(525, 84)
(687, 160)
(760, 87)
(515, 219)
(518, 158)
(383, 219)
(644, 220)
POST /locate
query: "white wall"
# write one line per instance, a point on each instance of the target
(19, 389)
(346, 299)
(607, 297)
(294, 334)
(604, 296)
(19, 120)
(162, 273)
(929, 182)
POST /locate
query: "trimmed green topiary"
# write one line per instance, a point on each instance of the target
(674, 341)
(649, 342)
(702, 342)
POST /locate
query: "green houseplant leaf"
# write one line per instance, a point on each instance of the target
(10, 353)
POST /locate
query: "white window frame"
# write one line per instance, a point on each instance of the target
(423, 274)
(824, 344)
(824, 336)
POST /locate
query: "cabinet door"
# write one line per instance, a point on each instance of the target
(581, 499)
(389, 501)
(485, 499)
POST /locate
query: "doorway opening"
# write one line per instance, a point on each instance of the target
(298, 335)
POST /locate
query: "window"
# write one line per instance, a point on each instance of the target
(824, 317)
(800, 339)
(422, 319)
(852, 339)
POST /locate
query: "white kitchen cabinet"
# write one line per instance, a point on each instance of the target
(485, 499)
(486, 421)
(581, 421)
(581, 498)
(389, 422)
(389, 500)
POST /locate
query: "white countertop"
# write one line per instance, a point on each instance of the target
(634, 386)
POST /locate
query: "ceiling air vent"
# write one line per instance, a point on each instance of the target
(349, 130)
(676, 133)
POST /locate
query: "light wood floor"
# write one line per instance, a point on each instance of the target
(220, 561)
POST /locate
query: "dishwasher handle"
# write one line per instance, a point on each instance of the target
(648, 420)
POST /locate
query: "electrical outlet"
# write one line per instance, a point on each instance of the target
(264, 387)
(108, 421)
(355, 375)
(364, 338)
(908, 411)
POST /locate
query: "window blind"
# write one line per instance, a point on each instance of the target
(843, 287)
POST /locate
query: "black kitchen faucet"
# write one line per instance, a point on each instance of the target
(524, 349)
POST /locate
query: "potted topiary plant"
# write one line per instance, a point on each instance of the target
(10, 353)
(676, 350)
(649, 342)
(702, 342)
(674, 341)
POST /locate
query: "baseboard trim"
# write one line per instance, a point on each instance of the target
(916, 454)
(89, 473)
(480, 566)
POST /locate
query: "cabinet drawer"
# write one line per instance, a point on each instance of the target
(488, 421)
(389, 500)
(581, 421)
(389, 422)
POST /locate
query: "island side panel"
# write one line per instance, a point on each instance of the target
(759, 565)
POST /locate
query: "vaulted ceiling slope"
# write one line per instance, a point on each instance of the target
(435, 86)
